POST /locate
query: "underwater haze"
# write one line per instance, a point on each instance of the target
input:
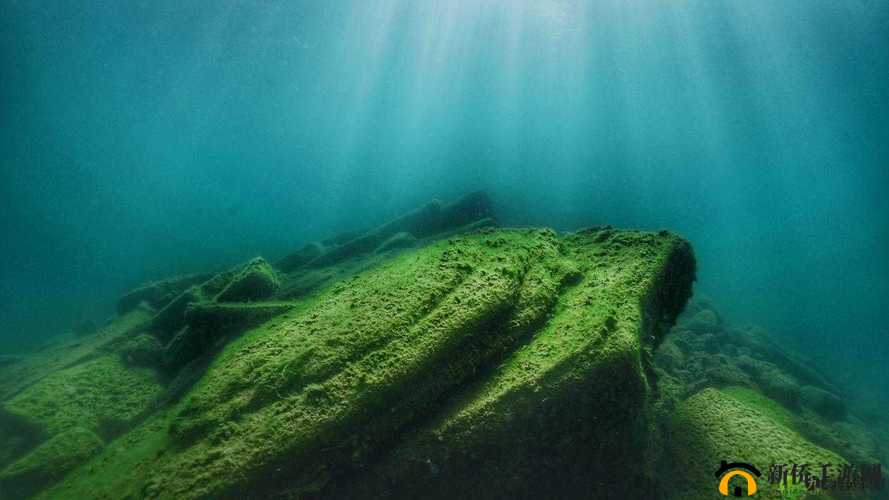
(146, 139)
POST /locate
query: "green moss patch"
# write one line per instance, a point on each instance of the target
(49, 462)
(570, 398)
(102, 395)
(735, 426)
(68, 352)
(513, 339)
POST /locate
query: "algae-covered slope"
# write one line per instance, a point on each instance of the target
(453, 348)
(66, 402)
(732, 394)
(716, 425)
(564, 413)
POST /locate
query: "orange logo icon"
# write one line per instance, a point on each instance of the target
(727, 471)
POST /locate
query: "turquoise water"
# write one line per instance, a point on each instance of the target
(145, 139)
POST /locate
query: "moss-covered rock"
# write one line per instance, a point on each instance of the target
(850, 440)
(522, 349)
(142, 350)
(256, 281)
(210, 323)
(158, 293)
(433, 219)
(736, 426)
(68, 351)
(102, 395)
(776, 382)
(17, 436)
(670, 356)
(566, 410)
(59, 421)
(253, 281)
(49, 462)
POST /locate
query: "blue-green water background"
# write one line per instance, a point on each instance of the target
(145, 139)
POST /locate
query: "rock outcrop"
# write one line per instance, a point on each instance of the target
(406, 364)
(434, 356)
(715, 425)
(742, 397)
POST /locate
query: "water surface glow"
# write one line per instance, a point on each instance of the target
(134, 130)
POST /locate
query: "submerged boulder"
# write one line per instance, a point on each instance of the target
(142, 350)
(211, 323)
(49, 462)
(704, 322)
(253, 281)
(256, 281)
(516, 354)
(17, 436)
(159, 293)
(59, 421)
(66, 352)
(101, 395)
(714, 426)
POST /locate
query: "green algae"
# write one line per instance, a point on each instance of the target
(255, 281)
(769, 407)
(72, 412)
(117, 471)
(516, 315)
(473, 335)
(158, 293)
(101, 395)
(68, 352)
(387, 343)
(736, 426)
(49, 462)
(571, 398)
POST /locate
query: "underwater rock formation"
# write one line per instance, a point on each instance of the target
(495, 347)
(256, 281)
(158, 293)
(49, 462)
(381, 351)
(431, 357)
(706, 366)
(434, 219)
(714, 425)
